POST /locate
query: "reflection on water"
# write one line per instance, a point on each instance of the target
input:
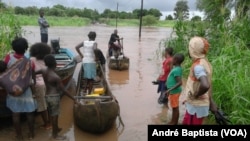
(133, 89)
(118, 77)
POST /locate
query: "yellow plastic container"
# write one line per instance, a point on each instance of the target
(93, 95)
(98, 90)
(91, 101)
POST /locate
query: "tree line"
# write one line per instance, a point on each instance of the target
(94, 15)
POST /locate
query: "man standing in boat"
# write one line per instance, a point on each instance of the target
(114, 44)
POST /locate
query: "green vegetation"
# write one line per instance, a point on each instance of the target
(9, 29)
(229, 53)
(229, 41)
(79, 21)
(53, 20)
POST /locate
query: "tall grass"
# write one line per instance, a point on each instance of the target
(54, 21)
(9, 29)
(229, 56)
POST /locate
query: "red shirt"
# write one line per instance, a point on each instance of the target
(165, 68)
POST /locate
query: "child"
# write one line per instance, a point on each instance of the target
(100, 58)
(37, 53)
(3, 66)
(166, 67)
(54, 86)
(173, 83)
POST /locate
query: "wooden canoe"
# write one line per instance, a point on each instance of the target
(120, 63)
(117, 60)
(66, 65)
(95, 113)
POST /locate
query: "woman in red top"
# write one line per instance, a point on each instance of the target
(166, 67)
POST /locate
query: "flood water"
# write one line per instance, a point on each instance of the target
(133, 88)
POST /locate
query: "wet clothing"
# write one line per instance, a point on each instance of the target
(171, 81)
(53, 102)
(24, 102)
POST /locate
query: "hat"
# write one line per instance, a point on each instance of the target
(198, 47)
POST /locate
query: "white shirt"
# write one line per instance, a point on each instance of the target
(88, 52)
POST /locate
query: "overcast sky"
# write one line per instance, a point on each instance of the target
(100, 5)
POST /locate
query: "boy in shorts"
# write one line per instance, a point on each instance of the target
(54, 86)
(173, 83)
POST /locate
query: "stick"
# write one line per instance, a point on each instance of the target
(93, 97)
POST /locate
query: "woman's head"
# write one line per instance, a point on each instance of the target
(198, 47)
(40, 50)
(92, 35)
(19, 45)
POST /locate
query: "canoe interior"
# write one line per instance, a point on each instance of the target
(95, 115)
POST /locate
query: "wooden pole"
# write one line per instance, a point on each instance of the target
(116, 15)
(140, 20)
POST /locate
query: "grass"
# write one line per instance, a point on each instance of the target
(54, 21)
(78, 21)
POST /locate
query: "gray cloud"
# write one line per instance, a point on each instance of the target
(100, 5)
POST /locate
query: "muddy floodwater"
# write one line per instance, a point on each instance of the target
(133, 88)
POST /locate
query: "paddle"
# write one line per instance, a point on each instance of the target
(122, 46)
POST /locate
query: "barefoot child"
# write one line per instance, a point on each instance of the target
(37, 52)
(54, 86)
(166, 67)
(174, 82)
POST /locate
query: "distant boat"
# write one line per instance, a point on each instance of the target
(118, 61)
(66, 65)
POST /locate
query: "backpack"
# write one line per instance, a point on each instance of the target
(17, 78)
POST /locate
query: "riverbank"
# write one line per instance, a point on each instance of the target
(79, 21)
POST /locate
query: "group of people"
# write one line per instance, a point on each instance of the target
(198, 90)
(44, 93)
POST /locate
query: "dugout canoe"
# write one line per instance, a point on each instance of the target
(96, 112)
(116, 59)
(119, 63)
(66, 64)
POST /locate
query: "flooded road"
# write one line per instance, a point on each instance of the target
(132, 88)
